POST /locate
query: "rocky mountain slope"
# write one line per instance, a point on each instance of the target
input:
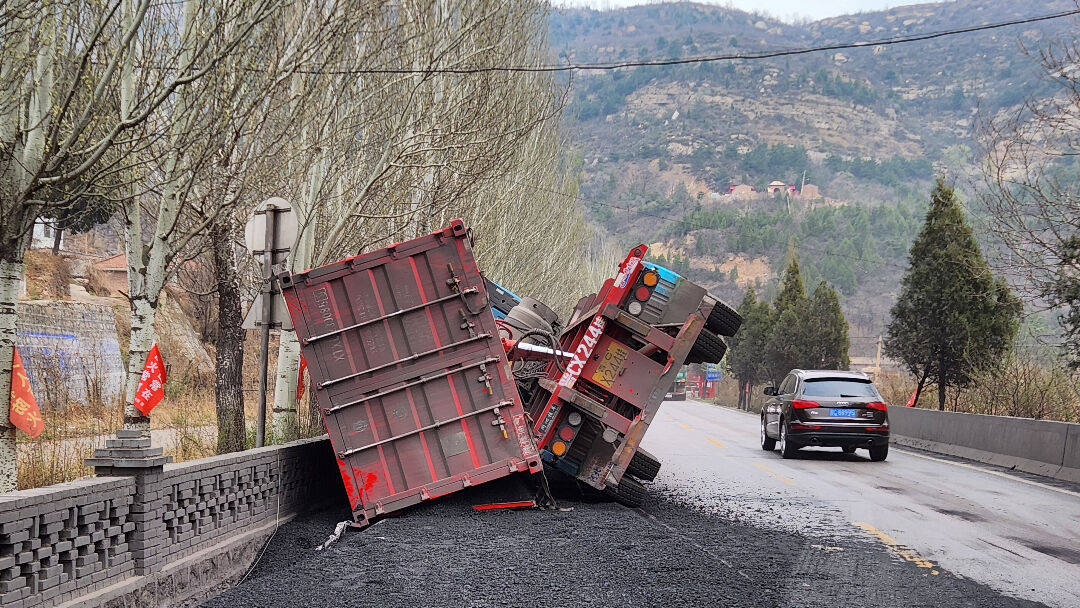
(870, 127)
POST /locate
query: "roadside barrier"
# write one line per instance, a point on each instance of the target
(1043, 447)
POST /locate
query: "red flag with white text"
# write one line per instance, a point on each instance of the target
(911, 401)
(152, 384)
(23, 408)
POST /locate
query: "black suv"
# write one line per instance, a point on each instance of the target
(825, 408)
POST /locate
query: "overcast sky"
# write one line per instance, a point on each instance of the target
(784, 9)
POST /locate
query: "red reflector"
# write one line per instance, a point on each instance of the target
(805, 427)
(880, 429)
(521, 504)
(799, 404)
(642, 293)
(877, 405)
(566, 433)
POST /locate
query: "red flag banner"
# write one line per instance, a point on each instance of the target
(152, 384)
(300, 379)
(911, 401)
(23, 411)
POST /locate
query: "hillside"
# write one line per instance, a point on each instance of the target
(867, 128)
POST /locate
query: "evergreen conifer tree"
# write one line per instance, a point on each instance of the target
(953, 317)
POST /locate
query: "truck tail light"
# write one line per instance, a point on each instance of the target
(642, 293)
(877, 405)
(566, 433)
(650, 278)
(800, 404)
(558, 448)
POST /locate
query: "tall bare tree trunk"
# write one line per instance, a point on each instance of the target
(11, 270)
(228, 376)
(57, 235)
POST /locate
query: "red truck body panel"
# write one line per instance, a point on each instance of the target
(410, 374)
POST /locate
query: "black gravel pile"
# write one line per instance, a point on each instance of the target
(597, 554)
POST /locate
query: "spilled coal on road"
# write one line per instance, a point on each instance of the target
(594, 554)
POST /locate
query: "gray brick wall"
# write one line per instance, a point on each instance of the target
(66, 540)
(70, 541)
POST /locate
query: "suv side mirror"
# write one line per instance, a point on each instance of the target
(770, 390)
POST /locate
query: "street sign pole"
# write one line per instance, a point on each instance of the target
(268, 235)
(267, 306)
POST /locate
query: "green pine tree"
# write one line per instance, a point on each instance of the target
(746, 348)
(825, 331)
(785, 345)
(953, 317)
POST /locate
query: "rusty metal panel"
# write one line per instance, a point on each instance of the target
(410, 374)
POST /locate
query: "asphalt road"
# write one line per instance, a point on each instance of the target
(1019, 534)
(726, 525)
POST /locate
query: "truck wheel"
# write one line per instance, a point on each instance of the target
(644, 466)
(709, 348)
(629, 492)
(723, 320)
(879, 453)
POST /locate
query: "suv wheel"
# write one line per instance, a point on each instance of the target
(879, 453)
(787, 450)
(767, 443)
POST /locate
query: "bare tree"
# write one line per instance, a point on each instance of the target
(1032, 194)
(61, 66)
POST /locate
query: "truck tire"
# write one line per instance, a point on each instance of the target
(643, 465)
(629, 492)
(723, 320)
(709, 348)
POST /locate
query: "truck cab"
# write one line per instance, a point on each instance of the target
(626, 344)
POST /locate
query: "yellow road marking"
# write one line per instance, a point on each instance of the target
(893, 545)
(715, 442)
(686, 426)
(774, 474)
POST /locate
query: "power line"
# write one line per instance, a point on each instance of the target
(700, 59)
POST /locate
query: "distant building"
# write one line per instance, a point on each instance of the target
(44, 236)
(112, 273)
(777, 186)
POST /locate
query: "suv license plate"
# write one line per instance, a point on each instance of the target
(842, 413)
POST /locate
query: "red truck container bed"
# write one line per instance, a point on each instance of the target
(410, 375)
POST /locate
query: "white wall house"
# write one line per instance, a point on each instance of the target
(43, 236)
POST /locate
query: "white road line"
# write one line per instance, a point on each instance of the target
(992, 472)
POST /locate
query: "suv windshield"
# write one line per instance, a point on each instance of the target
(834, 387)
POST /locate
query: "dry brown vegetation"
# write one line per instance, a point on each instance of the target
(47, 275)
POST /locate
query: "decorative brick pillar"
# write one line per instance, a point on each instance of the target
(130, 454)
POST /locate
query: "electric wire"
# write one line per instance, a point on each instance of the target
(768, 54)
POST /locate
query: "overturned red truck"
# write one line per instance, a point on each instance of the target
(423, 391)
